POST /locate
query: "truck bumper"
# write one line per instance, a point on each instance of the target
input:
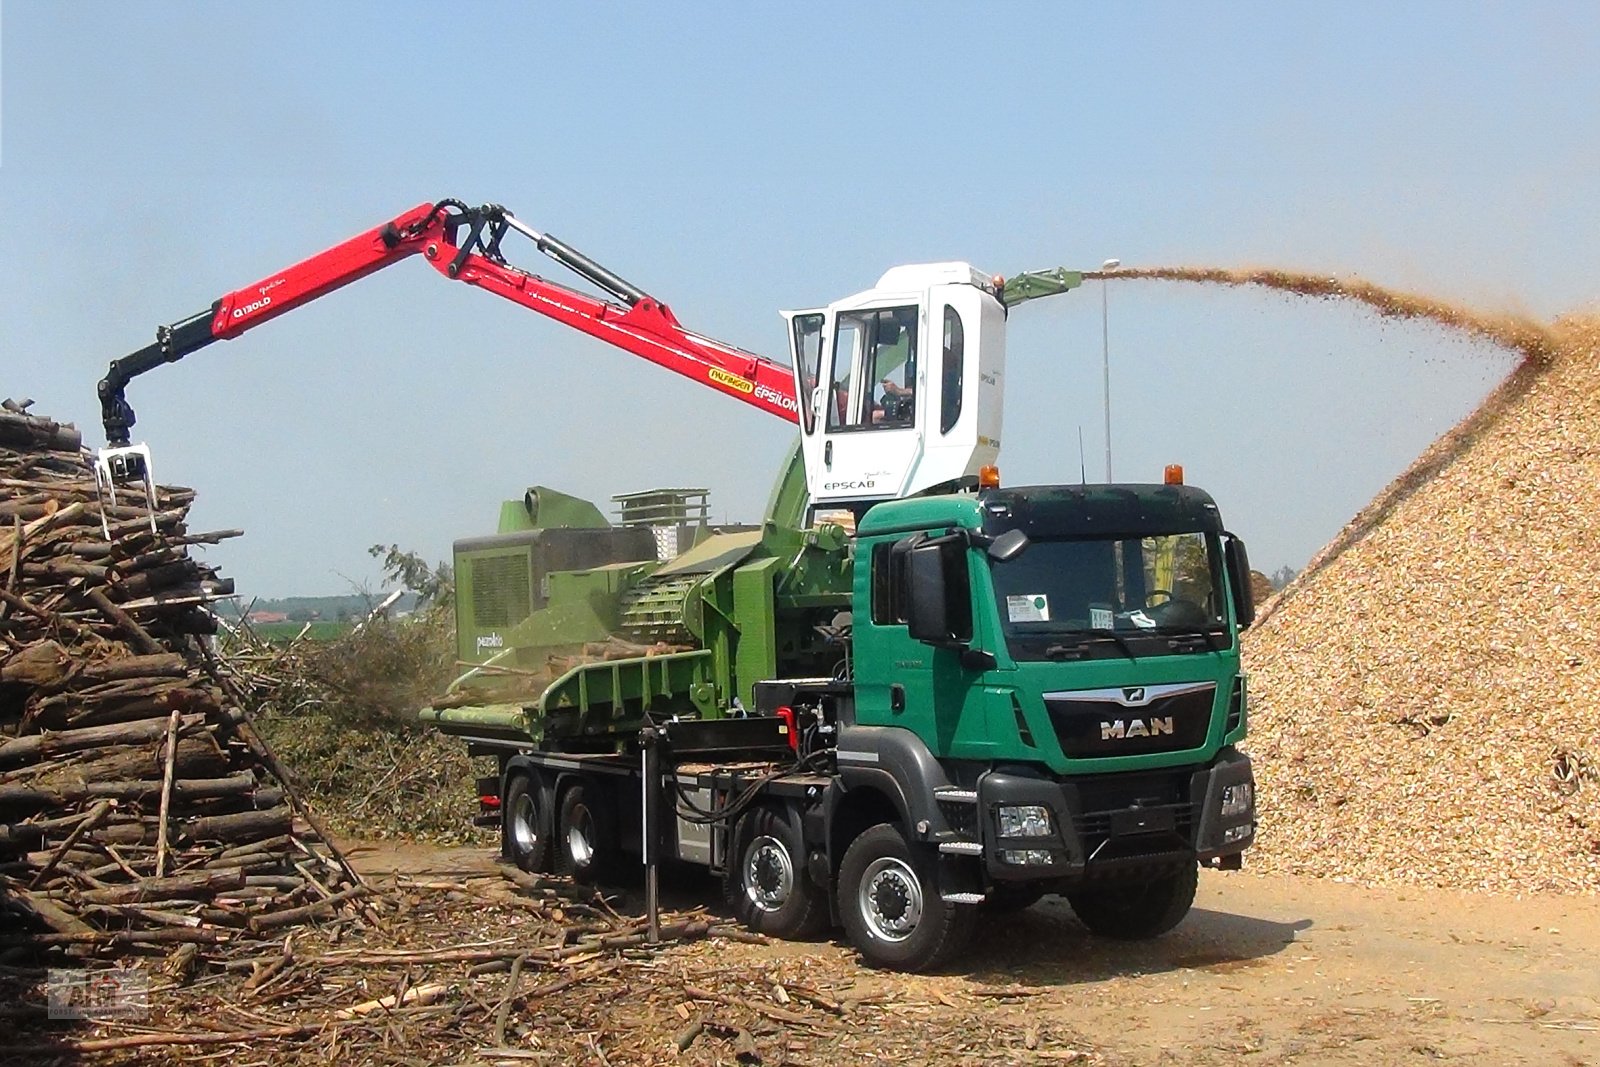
(1117, 826)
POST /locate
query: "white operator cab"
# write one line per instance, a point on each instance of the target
(899, 386)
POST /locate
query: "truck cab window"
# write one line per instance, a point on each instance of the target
(888, 583)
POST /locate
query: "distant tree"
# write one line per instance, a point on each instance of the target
(1283, 576)
(434, 585)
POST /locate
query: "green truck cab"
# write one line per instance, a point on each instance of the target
(1047, 681)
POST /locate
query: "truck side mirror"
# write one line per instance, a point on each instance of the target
(1238, 564)
(938, 608)
(1008, 546)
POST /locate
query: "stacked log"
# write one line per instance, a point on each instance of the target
(137, 804)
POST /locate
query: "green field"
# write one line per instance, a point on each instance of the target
(287, 631)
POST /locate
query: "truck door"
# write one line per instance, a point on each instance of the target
(805, 356)
(873, 405)
(907, 683)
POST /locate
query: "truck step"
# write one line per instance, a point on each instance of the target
(961, 848)
(962, 898)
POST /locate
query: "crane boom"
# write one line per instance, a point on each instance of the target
(463, 244)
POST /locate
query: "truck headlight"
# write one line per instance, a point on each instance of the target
(1238, 799)
(1024, 820)
(1026, 857)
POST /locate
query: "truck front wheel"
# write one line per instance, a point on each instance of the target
(766, 884)
(527, 824)
(588, 846)
(1137, 912)
(889, 900)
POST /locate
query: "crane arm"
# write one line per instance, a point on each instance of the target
(464, 244)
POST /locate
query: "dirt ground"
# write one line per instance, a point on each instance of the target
(1265, 970)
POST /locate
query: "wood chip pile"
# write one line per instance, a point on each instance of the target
(1426, 696)
(137, 805)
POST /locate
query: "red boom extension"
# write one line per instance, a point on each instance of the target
(463, 243)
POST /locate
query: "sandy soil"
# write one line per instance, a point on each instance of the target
(1265, 970)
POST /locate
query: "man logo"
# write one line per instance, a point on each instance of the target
(1119, 730)
(1134, 696)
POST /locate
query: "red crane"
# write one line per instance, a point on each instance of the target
(462, 243)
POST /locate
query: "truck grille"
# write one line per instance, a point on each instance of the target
(1122, 817)
(500, 593)
(1131, 721)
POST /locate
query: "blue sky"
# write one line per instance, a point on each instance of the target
(734, 159)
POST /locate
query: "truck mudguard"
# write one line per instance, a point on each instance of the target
(898, 764)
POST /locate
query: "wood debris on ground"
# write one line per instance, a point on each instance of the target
(491, 968)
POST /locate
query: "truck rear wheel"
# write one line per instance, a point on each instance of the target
(889, 900)
(588, 846)
(766, 883)
(527, 824)
(1137, 912)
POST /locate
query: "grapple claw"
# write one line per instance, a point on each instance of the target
(119, 466)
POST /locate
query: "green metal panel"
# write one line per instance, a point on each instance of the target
(786, 507)
(612, 699)
(1030, 285)
(755, 608)
(582, 607)
(543, 508)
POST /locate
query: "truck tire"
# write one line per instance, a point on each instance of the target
(527, 824)
(1138, 912)
(766, 883)
(889, 900)
(588, 846)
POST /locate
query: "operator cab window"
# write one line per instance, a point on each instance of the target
(808, 349)
(950, 378)
(875, 351)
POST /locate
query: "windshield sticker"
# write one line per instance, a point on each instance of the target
(1028, 607)
(1100, 618)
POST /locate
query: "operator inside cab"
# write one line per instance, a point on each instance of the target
(882, 343)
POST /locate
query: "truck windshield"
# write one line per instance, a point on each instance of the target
(1077, 598)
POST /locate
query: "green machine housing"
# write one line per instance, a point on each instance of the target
(578, 632)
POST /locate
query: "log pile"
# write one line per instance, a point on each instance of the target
(137, 804)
